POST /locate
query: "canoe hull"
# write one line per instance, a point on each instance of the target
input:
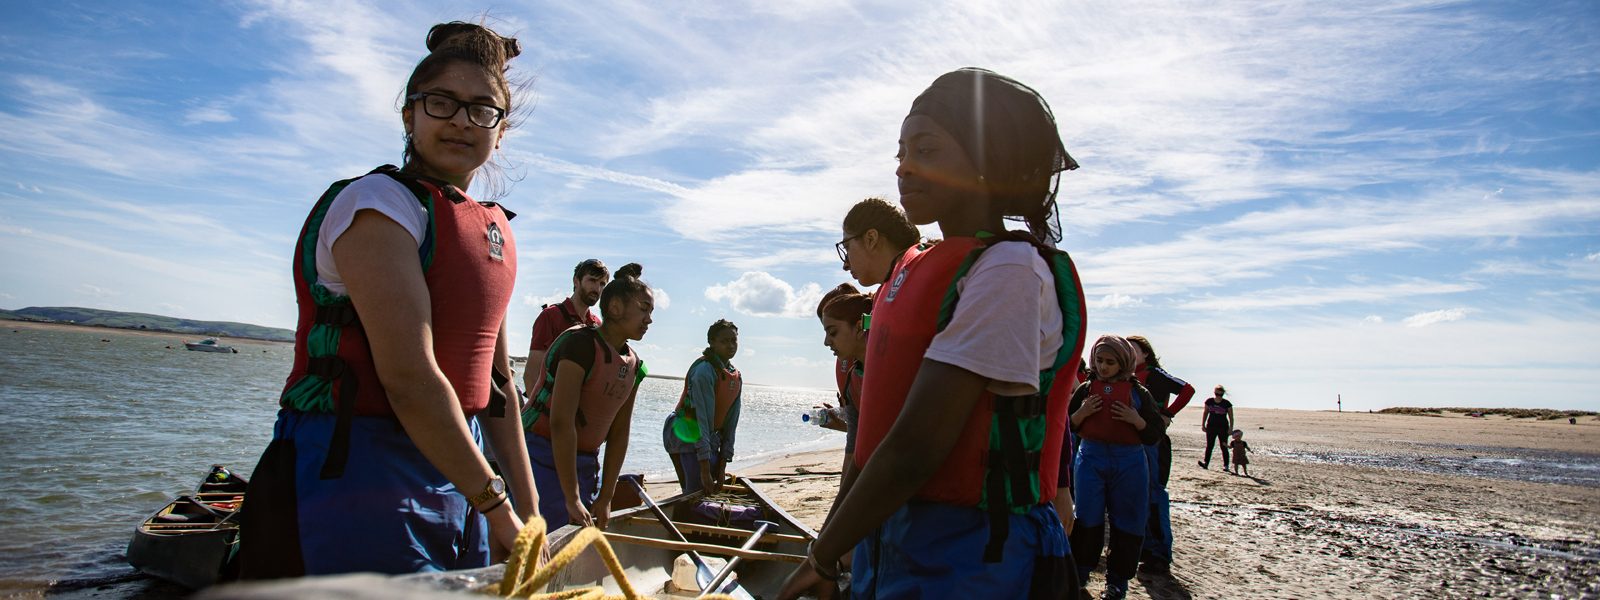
(190, 559)
(190, 540)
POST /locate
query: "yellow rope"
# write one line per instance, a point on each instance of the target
(524, 575)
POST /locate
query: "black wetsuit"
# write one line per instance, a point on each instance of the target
(1218, 428)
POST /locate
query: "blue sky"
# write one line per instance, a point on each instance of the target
(1396, 202)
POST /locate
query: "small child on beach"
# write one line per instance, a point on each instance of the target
(1240, 447)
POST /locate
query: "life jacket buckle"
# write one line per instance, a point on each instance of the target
(337, 315)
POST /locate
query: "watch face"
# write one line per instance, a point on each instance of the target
(498, 485)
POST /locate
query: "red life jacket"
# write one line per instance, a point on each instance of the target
(558, 310)
(1100, 426)
(606, 387)
(905, 319)
(730, 384)
(469, 263)
(847, 376)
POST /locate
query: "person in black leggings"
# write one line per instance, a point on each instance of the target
(1217, 422)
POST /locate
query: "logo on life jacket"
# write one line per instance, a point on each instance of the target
(497, 243)
(894, 287)
(1106, 390)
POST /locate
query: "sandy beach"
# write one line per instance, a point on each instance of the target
(1351, 505)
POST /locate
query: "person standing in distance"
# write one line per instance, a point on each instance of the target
(1217, 422)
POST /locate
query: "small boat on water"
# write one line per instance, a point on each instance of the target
(209, 345)
(191, 539)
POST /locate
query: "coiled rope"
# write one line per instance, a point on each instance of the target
(524, 575)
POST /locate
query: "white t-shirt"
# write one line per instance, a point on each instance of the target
(1007, 326)
(374, 192)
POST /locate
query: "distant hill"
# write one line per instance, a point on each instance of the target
(140, 321)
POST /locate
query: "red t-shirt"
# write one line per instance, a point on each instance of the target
(555, 319)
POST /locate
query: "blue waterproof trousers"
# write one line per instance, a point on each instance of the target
(930, 550)
(552, 501)
(1109, 480)
(1158, 532)
(391, 511)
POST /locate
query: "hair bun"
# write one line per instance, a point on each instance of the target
(443, 32)
(630, 271)
(446, 34)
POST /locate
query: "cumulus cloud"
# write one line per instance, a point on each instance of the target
(1373, 319)
(1591, 258)
(551, 298)
(758, 293)
(663, 301)
(1437, 316)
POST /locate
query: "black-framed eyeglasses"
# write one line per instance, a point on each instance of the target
(439, 106)
(844, 255)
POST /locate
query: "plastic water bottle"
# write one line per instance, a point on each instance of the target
(816, 416)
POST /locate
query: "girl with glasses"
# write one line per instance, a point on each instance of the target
(401, 363)
(876, 233)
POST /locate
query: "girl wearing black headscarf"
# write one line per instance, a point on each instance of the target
(961, 333)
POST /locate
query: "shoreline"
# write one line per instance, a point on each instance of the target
(148, 333)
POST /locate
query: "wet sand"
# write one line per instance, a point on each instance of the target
(1353, 505)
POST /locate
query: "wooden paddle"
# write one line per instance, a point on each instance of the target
(702, 573)
(716, 584)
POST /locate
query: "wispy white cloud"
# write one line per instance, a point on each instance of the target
(1115, 301)
(760, 294)
(1438, 316)
(95, 291)
(1319, 296)
(210, 113)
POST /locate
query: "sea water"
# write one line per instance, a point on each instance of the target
(99, 428)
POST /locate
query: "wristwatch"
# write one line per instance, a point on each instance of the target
(495, 487)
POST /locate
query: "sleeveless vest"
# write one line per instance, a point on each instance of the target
(571, 320)
(847, 375)
(1015, 468)
(469, 263)
(1101, 426)
(606, 387)
(730, 384)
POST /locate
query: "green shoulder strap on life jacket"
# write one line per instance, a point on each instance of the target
(540, 405)
(1018, 426)
(313, 391)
